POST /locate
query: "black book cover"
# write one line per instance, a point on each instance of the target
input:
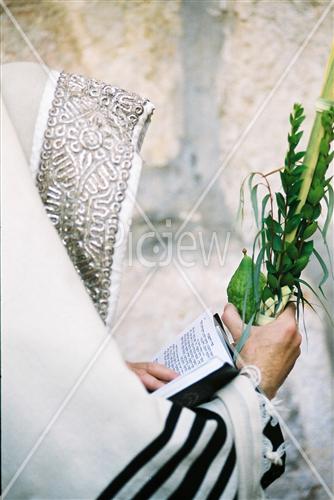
(203, 390)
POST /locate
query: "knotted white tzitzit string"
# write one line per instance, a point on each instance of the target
(274, 457)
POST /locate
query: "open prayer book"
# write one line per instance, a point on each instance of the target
(202, 356)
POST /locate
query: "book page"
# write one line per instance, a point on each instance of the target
(194, 346)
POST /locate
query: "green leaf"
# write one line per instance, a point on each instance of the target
(292, 198)
(289, 179)
(277, 244)
(272, 281)
(298, 109)
(318, 297)
(324, 146)
(295, 138)
(297, 157)
(309, 230)
(253, 196)
(299, 299)
(286, 263)
(295, 188)
(321, 167)
(316, 211)
(281, 203)
(300, 264)
(267, 246)
(264, 205)
(270, 268)
(324, 270)
(330, 205)
(292, 251)
(307, 248)
(307, 211)
(330, 157)
(315, 194)
(298, 171)
(304, 299)
(273, 225)
(284, 181)
(269, 235)
(292, 223)
(267, 294)
(257, 272)
(288, 280)
(277, 227)
(240, 213)
(328, 253)
(328, 181)
(269, 221)
(298, 121)
(244, 336)
(292, 207)
(254, 204)
(326, 119)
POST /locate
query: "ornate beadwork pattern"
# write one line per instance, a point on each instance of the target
(84, 167)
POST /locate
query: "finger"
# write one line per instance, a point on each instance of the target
(232, 320)
(288, 317)
(290, 310)
(161, 372)
(151, 383)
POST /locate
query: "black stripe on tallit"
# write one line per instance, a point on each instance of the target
(169, 467)
(224, 475)
(144, 456)
(197, 471)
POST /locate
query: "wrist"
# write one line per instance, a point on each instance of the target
(268, 390)
(253, 373)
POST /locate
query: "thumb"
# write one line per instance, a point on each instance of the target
(288, 315)
(232, 320)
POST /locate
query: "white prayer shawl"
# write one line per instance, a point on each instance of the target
(76, 423)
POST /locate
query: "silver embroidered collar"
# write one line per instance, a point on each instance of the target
(82, 177)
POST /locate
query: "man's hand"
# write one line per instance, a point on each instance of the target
(152, 375)
(273, 348)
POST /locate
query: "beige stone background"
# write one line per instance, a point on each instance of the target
(223, 76)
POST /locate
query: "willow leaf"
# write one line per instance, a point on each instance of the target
(330, 206)
(248, 288)
(244, 337)
(318, 297)
(299, 298)
(324, 270)
(240, 212)
(281, 203)
(328, 253)
(264, 205)
(303, 301)
(257, 272)
(311, 306)
(255, 204)
(263, 234)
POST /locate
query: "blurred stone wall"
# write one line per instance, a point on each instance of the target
(223, 76)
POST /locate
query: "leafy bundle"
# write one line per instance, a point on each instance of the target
(287, 220)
